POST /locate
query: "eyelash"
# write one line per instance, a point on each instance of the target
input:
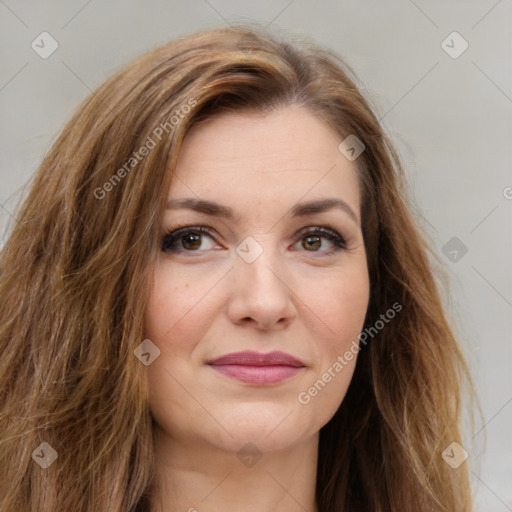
(323, 231)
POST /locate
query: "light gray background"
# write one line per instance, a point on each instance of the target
(449, 118)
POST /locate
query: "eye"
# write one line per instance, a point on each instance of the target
(311, 239)
(190, 238)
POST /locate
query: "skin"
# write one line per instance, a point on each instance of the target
(207, 301)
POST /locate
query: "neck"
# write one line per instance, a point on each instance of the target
(199, 477)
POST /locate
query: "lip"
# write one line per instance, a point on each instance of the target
(257, 368)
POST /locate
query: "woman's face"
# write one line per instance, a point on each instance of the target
(259, 279)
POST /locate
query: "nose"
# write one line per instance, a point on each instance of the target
(261, 292)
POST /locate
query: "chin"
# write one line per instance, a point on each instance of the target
(269, 426)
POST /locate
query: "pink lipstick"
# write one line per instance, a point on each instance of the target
(256, 368)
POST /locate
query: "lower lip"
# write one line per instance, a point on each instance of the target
(258, 375)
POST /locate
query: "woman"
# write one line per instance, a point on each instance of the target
(216, 298)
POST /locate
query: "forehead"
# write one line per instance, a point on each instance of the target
(283, 156)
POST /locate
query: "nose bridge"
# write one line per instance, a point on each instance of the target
(258, 262)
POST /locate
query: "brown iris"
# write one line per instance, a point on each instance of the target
(313, 240)
(193, 238)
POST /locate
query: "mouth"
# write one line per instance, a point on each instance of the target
(256, 368)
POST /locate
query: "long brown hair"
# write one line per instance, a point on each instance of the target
(74, 280)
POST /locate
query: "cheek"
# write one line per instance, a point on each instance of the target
(171, 304)
(172, 323)
(341, 304)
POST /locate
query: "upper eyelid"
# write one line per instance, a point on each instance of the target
(205, 229)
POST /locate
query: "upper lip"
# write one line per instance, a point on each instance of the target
(250, 358)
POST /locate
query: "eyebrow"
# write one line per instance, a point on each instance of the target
(299, 210)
